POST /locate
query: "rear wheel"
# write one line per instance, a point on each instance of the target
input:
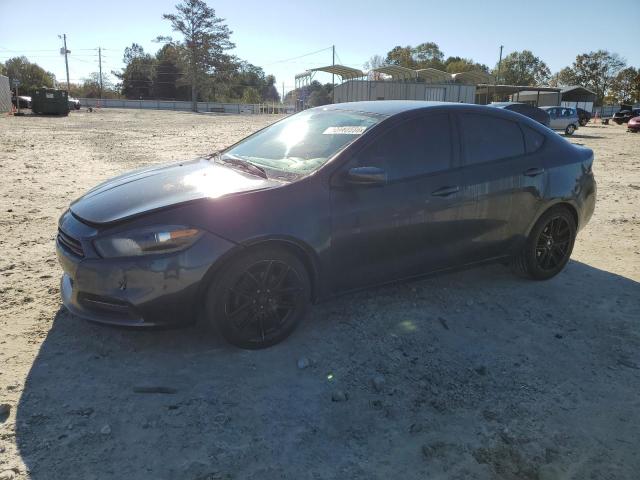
(570, 129)
(549, 246)
(259, 299)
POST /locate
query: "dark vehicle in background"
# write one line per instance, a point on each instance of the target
(329, 200)
(74, 103)
(634, 125)
(50, 101)
(564, 119)
(525, 109)
(623, 116)
(583, 116)
(25, 101)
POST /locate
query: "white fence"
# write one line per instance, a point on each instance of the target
(185, 106)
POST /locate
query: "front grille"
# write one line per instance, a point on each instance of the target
(70, 244)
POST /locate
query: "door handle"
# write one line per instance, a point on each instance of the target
(445, 191)
(534, 172)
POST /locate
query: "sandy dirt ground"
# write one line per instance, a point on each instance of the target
(471, 375)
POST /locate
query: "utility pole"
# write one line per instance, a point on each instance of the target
(499, 63)
(333, 76)
(100, 63)
(66, 60)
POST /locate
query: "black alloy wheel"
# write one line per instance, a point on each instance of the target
(549, 245)
(260, 298)
(553, 244)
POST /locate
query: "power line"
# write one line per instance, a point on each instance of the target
(296, 58)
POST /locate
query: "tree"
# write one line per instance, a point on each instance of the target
(30, 75)
(596, 71)
(401, 56)
(137, 76)
(168, 73)
(251, 95)
(206, 38)
(625, 87)
(428, 55)
(375, 61)
(522, 68)
(459, 65)
(563, 78)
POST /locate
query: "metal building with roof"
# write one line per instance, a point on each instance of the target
(574, 96)
(393, 82)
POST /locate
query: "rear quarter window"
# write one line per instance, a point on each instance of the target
(487, 138)
(532, 140)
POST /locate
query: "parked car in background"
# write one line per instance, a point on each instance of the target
(623, 116)
(583, 116)
(527, 110)
(74, 103)
(329, 200)
(634, 125)
(563, 118)
(25, 101)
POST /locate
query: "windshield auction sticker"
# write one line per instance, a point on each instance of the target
(344, 131)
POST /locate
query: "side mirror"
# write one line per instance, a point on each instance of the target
(366, 176)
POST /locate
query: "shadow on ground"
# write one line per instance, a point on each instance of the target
(480, 375)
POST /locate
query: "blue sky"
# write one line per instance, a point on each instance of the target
(266, 33)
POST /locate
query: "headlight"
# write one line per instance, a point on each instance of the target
(145, 241)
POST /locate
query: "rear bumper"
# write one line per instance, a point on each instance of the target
(146, 291)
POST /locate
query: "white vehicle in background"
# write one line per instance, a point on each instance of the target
(74, 103)
(563, 118)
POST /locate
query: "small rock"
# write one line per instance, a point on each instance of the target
(378, 383)
(303, 362)
(106, 430)
(339, 396)
(7, 475)
(469, 303)
(558, 335)
(5, 409)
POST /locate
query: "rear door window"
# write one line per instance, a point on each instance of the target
(416, 147)
(487, 138)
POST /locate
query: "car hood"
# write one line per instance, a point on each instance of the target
(154, 188)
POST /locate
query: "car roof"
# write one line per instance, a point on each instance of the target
(556, 106)
(395, 107)
(504, 104)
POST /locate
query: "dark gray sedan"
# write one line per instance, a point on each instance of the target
(329, 200)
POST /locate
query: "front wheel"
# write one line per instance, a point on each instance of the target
(549, 245)
(570, 129)
(258, 299)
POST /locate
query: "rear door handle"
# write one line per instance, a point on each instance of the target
(534, 172)
(445, 191)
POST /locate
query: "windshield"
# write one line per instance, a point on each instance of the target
(303, 142)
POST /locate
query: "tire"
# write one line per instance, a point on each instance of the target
(549, 245)
(259, 298)
(570, 129)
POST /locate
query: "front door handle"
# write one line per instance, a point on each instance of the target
(534, 172)
(445, 191)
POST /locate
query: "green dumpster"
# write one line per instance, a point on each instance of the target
(50, 101)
